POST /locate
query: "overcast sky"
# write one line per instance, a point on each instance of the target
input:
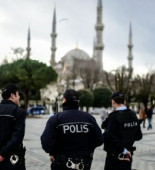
(75, 25)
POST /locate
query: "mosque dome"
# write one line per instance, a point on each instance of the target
(79, 54)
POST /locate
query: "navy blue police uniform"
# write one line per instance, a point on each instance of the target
(71, 137)
(122, 129)
(12, 129)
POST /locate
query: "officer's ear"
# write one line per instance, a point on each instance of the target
(12, 96)
(64, 100)
(112, 102)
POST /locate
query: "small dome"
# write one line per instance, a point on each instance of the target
(74, 54)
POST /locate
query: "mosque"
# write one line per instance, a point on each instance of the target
(65, 66)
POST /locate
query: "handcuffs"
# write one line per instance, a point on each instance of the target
(14, 159)
(122, 157)
(71, 165)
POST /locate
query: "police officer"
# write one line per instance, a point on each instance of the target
(122, 129)
(12, 128)
(71, 136)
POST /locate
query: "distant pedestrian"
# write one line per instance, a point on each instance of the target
(142, 116)
(12, 129)
(122, 129)
(149, 114)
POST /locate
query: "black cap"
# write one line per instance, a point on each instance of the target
(8, 89)
(117, 95)
(71, 95)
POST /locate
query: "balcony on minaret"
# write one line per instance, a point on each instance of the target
(28, 48)
(130, 45)
(99, 27)
(130, 58)
(53, 34)
(53, 48)
(99, 47)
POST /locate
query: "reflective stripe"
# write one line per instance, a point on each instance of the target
(75, 123)
(6, 116)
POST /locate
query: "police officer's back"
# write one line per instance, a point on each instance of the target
(12, 129)
(71, 136)
(122, 129)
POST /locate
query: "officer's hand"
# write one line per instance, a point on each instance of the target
(1, 158)
(52, 158)
(127, 156)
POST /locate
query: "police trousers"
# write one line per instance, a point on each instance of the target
(9, 162)
(6, 165)
(65, 163)
(113, 163)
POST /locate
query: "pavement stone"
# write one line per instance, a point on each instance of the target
(37, 159)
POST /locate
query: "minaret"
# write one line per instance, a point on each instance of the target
(28, 49)
(94, 57)
(53, 36)
(130, 46)
(99, 44)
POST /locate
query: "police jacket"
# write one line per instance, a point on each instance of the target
(12, 127)
(123, 129)
(71, 132)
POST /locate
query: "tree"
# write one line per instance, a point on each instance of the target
(18, 52)
(101, 97)
(89, 73)
(86, 98)
(85, 71)
(29, 75)
(119, 80)
(5, 60)
(74, 73)
(143, 88)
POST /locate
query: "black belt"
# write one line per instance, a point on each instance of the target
(112, 154)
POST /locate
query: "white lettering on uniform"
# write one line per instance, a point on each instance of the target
(65, 128)
(131, 124)
(72, 129)
(85, 128)
(77, 128)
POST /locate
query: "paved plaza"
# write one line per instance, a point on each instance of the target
(37, 159)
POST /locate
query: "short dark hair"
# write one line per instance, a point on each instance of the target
(8, 89)
(71, 95)
(118, 97)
